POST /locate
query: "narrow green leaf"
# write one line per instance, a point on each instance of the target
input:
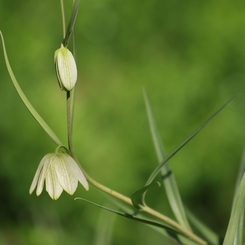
(181, 239)
(238, 240)
(240, 172)
(239, 234)
(138, 197)
(166, 172)
(27, 103)
(158, 169)
(129, 209)
(171, 232)
(236, 213)
(71, 24)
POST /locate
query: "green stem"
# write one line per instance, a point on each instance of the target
(70, 98)
(145, 209)
(174, 224)
(63, 18)
(70, 95)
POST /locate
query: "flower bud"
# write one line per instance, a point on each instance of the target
(66, 69)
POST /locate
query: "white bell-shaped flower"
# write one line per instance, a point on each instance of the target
(60, 172)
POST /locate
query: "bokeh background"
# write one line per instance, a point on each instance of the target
(190, 57)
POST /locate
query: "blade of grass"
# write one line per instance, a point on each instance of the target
(158, 169)
(236, 213)
(240, 171)
(27, 103)
(171, 231)
(129, 209)
(168, 178)
(239, 234)
(138, 198)
(71, 24)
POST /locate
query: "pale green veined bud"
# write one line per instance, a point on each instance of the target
(66, 69)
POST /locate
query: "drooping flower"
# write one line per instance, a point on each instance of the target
(60, 172)
(65, 67)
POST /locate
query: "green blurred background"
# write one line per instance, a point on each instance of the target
(189, 55)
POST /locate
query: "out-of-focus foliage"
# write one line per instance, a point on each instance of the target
(190, 57)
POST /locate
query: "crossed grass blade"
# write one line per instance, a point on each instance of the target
(168, 178)
(180, 146)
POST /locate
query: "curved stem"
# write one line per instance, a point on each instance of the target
(174, 224)
(107, 189)
(146, 209)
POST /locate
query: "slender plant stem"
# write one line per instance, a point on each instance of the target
(147, 209)
(63, 18)
(174, 224)
(70, 109)
(69, 94)
(106, 189)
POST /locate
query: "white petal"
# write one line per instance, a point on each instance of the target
(77, 172)
(36, 177)
(66, 178)
(46, 163)
(53, 186)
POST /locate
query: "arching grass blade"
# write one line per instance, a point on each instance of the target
(168, 178)
(71, 24)
(27, 103)
(158, 169)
